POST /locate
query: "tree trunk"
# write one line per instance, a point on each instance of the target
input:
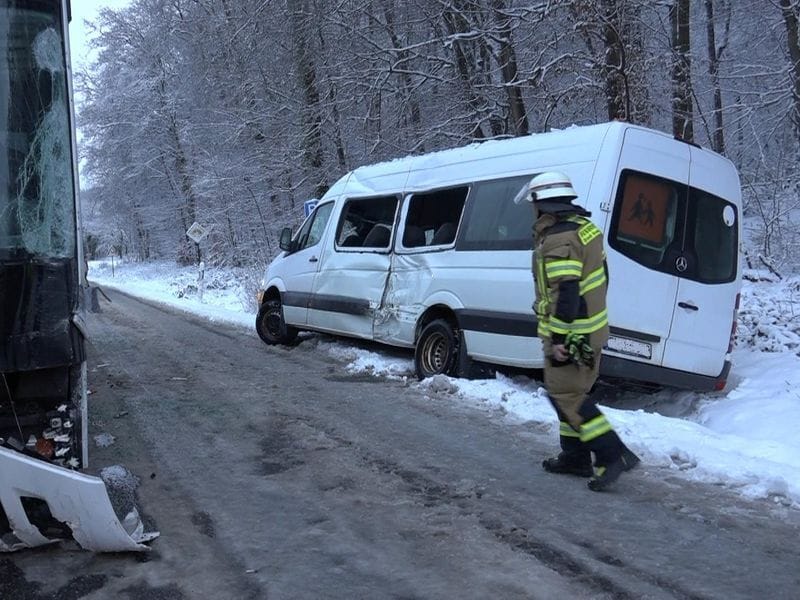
(790, 19)
(456, 25)
(714, 54)
(507, 59)
(406, 84)
(614, 63)
(311, 110)
(682, 115)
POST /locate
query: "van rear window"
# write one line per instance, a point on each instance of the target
(670, 227)
(646, 205)
(714, 236)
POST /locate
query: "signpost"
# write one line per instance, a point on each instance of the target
(309, 206)
(197, 234)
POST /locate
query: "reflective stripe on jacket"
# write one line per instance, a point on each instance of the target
(569, 259)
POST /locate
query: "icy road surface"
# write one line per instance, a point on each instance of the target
(273, 473)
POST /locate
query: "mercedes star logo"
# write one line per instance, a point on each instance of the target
(681, 264)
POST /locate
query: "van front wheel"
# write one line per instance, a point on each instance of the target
(437, 350)
(271, 327)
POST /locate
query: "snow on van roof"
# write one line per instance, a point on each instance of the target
(478, 160)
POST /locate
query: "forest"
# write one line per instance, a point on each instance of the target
(232, 113)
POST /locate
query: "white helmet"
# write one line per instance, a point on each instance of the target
(551, 186)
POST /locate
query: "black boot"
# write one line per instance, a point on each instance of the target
(574, 458)
(611, 457)
(629, 459)
(608, 473)
(569, 464)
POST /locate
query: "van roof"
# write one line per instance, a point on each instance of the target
(481, 160)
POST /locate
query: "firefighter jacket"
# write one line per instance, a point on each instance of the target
(571, 277)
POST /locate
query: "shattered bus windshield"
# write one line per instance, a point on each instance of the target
(37, 210)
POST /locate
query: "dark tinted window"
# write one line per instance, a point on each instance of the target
(670, 227)
(367, 223)
(494, 221)
(714, 236)
(433, 217)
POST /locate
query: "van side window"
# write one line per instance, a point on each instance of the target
(366, 223)
(494, 221)
(311, 232)
(671, 227)
(433, 217)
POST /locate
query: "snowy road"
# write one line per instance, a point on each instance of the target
(271, 473)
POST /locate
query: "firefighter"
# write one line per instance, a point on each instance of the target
(570, 278)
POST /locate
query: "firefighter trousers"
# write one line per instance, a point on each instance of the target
(583, 428)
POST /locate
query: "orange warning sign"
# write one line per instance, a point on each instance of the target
(645, 206)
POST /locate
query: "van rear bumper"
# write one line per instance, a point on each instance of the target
(613, 366)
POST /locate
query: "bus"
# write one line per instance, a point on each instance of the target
(43, 396)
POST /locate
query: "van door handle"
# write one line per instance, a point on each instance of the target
(688, 305)
(313, 259)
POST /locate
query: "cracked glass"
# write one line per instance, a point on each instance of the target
(37, 209)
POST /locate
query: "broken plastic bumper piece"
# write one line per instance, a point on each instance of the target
(76, 500)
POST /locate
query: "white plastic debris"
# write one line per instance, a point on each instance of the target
(77, 500)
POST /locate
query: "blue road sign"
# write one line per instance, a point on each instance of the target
(309, 206)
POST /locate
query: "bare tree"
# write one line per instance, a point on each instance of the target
(682, 114)
(715, 52)
(229, 112)
(789, 10)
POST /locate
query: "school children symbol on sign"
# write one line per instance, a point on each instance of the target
(645, 208)
(642, 211)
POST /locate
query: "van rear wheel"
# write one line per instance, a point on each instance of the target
(437, 350)
(270, 325)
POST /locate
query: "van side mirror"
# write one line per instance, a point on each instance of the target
(285, 241)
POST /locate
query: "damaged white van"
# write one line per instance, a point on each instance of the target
(431, 252)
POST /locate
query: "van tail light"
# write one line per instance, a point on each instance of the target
(734, 323)
(720, 385)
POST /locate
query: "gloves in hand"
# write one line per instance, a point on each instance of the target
(579, 350)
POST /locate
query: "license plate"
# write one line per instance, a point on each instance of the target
(631, 347)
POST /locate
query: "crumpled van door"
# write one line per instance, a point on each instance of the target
(354, 265)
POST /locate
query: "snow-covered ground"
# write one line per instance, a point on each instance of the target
(744, 437)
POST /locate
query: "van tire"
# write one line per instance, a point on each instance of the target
(270, 325)
(437, 350)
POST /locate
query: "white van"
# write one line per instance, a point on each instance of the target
(431, 252)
